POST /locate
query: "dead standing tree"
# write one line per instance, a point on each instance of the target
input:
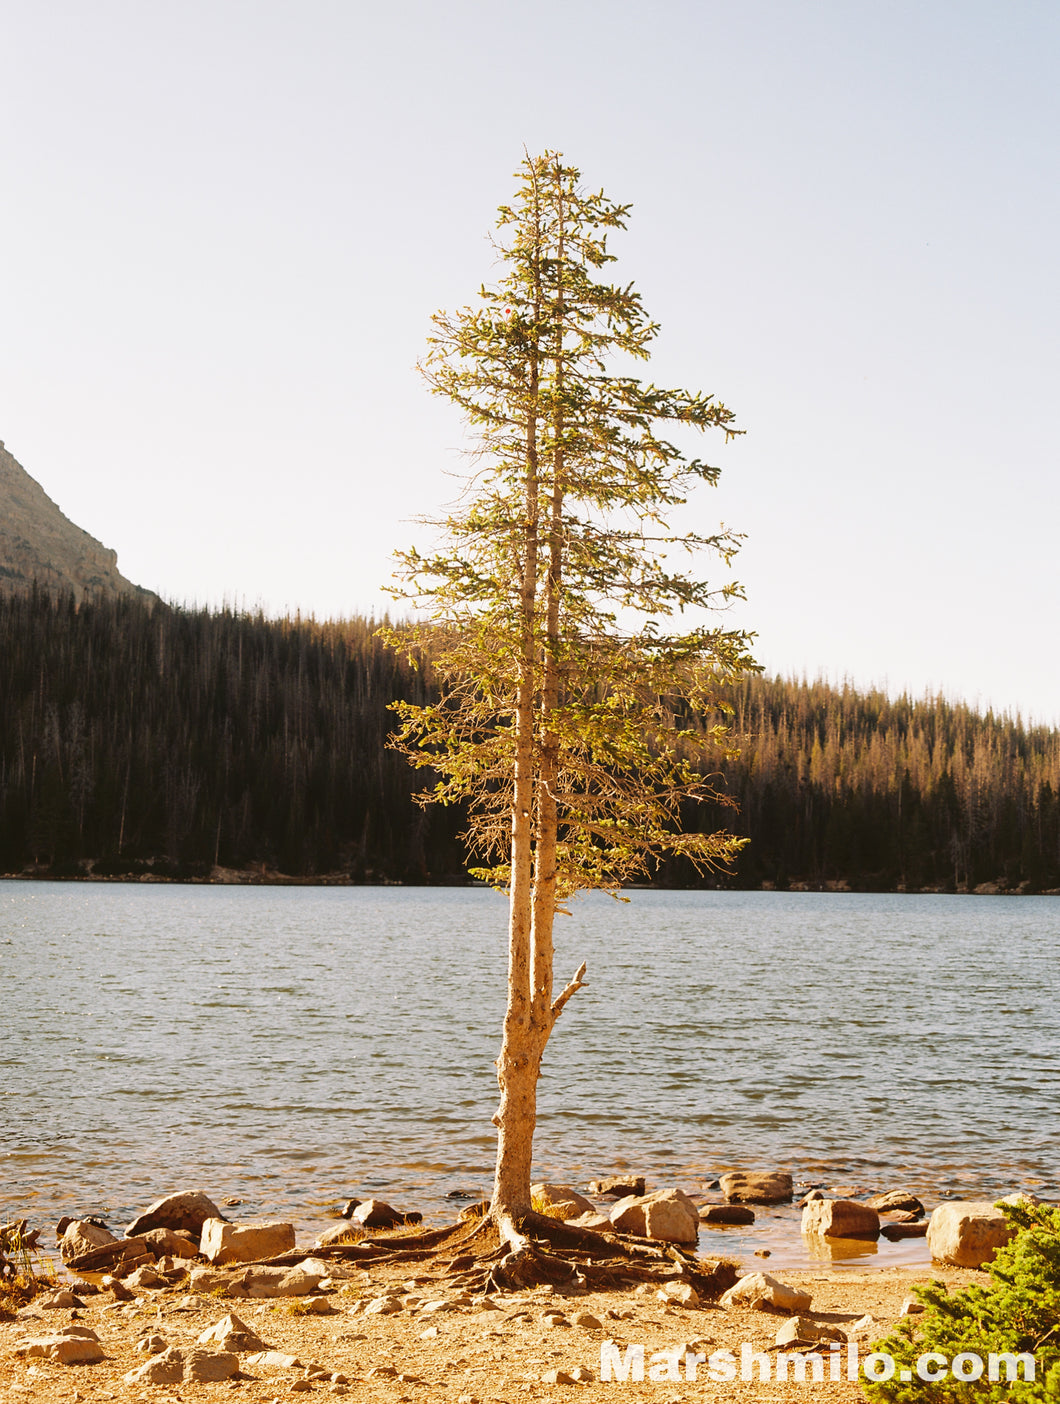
(571, 716)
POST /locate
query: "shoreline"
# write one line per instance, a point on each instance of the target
(251, 877)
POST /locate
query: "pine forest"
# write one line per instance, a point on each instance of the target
(156, 742)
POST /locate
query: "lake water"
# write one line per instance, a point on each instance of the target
(291, 1047)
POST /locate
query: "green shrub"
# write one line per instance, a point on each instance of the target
(1016, 1313)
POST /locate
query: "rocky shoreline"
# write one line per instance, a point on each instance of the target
(259, 876)
(186, 1296)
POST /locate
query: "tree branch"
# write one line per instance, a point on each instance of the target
(573, 988)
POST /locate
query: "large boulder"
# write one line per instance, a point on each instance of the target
(760, 1292)
(967, 1233)
(840, 1218)
(748, 1187)
(667, 1215)
(560, 1201)
(244, 1243)
(185, 1212)
(81, 1236)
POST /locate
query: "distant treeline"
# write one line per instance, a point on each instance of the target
(138, 741)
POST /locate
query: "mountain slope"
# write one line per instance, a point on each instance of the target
(38, 543)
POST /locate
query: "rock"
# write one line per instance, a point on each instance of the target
(862, 1324)
(347, 1209)
(376, 1213)
(667, 1215)
(725, 1214)
(318, 1306)
(274, 1360)
(382, 1306)
(64, 1299)
(917, 1229)
(900, 1201)
(557, 1377)
(189, 1364)
(122, 1254)
(560, 1201)
(588, 1322)
(152, 1345)
(911, 1307)
(169, 1243)
(967, 1233)
(167, 1368)
(117, 1288)
(840, 1218)
(232, 1333)
(808, 1198)
(599, 1223)
(760, 1292)
(1024, 1197)
(206, 1365)
(903, 1216)
(81, 1236)
(185, 1212)
(210, 1281)
(747, 1187)
(145, 1277)
(274, 1282)
(244, 1243)
(338, 1233)
(805, 1329)
(681, 1293)
(80, 1349)
(618, 1187)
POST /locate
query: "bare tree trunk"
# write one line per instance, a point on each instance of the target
(516, 1114)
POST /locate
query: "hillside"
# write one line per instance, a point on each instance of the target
(138, 741)
(38, 543)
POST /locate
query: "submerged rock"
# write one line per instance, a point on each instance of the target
(751, 1187)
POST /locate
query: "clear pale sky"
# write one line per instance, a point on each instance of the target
(224, 225)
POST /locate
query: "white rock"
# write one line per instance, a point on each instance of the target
(840, 1218)
(244, 1243)
(187, 1211)
(967, 1233)
(67, 1350)
(81, 1237)
(760, 1292)
(667, 1215)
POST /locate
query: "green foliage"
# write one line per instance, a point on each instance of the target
(1017, 1312)
(550, 610)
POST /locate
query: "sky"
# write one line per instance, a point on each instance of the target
(224, 226)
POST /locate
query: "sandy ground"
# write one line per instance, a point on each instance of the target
(473, 1352)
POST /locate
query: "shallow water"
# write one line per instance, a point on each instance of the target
(294, 1046)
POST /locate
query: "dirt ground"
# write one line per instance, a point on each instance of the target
(496, 1350)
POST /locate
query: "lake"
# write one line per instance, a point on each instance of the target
(294, 1046)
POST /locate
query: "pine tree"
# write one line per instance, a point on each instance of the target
(571, 715)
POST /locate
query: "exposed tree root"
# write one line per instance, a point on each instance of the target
(497, 1253)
